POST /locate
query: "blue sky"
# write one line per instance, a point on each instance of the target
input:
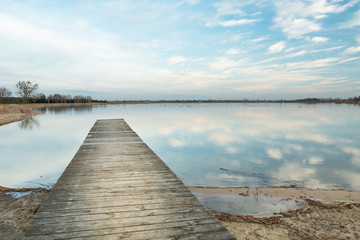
(189, 49)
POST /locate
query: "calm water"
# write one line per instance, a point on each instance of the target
(316, 146)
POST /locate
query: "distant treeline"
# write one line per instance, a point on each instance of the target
(355, 100)
(52, 98)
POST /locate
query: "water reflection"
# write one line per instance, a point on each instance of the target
(312, 146)
(258, 144)
(251, 205)
(29, 123)
(66, 109)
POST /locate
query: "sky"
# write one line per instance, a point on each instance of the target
(186, 49)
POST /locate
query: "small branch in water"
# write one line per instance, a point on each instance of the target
(39, 189)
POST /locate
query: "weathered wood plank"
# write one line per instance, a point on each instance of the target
(113, 214)
(116, 220)
(155, 231)
(104, 210)
(117, 188)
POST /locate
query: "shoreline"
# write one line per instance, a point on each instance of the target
(11, 118)
(14, 113)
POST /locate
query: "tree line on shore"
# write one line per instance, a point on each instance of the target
(27, 94)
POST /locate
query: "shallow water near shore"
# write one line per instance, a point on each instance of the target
(218, 145)
(248, 205)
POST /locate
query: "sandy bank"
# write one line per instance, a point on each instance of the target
(16, 214)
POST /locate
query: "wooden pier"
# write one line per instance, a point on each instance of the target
(116, 187)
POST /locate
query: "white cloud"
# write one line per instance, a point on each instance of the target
(229, 8)
(318, 39)
(297, 18)
(233, 51)
(222, 63)
(192, 2)
(277, 47)
(325, 62)
(299, 53)
(260, 39)
(236, 37)
(348, 60)
(175, 60)
(232, 23)
(358, 39)
(352, 50)
(296, 27)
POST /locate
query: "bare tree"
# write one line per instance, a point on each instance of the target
(88, 99)
(79, 99)
(26, 89)
(40, 98)
(4, 92)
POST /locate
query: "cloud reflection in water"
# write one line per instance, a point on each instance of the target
(314, 146)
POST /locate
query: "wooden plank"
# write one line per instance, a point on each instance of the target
(113, 214)
(111, 209)
(116, 187)
(172, 230)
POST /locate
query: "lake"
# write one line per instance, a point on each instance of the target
(205, 144)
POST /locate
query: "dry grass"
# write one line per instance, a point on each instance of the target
(13, 113)
(15, 108)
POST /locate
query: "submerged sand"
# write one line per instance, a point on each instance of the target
(284, 192)
(315, 220)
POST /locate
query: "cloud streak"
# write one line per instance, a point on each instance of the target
(277, 47)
